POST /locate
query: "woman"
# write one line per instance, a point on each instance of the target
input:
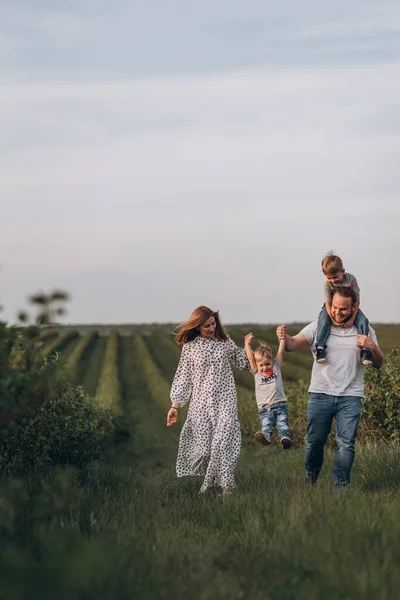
(210, 438)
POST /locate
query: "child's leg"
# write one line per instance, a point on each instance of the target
(267, 419)
(361, 322)
(362, 326)
(282, 421)
(323, 328)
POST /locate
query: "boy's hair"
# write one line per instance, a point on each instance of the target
(331, 263)
(263, 351)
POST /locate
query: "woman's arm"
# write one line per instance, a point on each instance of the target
(237, 356)
(182, 385)
(248, 340)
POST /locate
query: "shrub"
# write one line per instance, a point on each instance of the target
(381, 407)
(67, 428)
(43, 420)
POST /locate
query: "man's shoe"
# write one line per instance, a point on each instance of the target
(320, 355)
(311, 477)
(366, 357)
(286, 443)
(263, 438)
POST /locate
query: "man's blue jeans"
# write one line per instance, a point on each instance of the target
(320, 412)
(275, 416)
(324, 326)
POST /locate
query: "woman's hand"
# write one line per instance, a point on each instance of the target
(172, 416)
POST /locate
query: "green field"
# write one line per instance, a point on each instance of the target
(132, 530)
(164, 353)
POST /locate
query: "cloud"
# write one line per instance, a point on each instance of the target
(98, 40)
(149, 177)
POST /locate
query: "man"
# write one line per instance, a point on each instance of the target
(336, 387)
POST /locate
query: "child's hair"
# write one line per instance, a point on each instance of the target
(263, 351)
(331, 263)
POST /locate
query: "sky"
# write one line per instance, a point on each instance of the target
(155, 156)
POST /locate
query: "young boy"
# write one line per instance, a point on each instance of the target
(332, 268)
(270, 396)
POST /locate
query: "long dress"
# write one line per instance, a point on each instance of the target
(210, 438)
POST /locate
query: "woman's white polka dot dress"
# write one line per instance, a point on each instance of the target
(210, 438)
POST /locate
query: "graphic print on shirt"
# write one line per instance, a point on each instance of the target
(268, 378)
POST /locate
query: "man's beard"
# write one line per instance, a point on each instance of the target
(342, 318)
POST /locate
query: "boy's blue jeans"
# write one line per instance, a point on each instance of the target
(324, 326)
(320, 412)
(275, 416)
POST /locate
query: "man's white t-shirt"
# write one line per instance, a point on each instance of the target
(343, 373)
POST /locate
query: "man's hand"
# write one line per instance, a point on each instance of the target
(365, 341)
(172, 416)
(249, 339)
(281, 332)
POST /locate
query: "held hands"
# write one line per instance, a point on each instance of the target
(281, 332)
(249, 339)
(172, 416)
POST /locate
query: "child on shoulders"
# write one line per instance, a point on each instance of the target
(270, 395)
(332, 268)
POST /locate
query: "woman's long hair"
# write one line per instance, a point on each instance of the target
(189, 330)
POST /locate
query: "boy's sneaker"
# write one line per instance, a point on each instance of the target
(263, 438)
(366, 357)
(320, 354)
(286, 443)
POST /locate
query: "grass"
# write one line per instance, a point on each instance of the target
(129, 529)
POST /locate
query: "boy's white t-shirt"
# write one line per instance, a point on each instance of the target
(343, 372)
(269, 389)
(349, 281)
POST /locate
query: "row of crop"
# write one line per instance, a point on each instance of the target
(74, 360)
(165, 353)
(157, 386)
(108, 392)
(157, 357)
(59, 344)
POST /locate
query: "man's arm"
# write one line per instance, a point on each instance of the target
(292, 343)
(281, 351)
(366, 341)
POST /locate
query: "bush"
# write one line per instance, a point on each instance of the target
(381, 407)
(64, 429)
(43, 420)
